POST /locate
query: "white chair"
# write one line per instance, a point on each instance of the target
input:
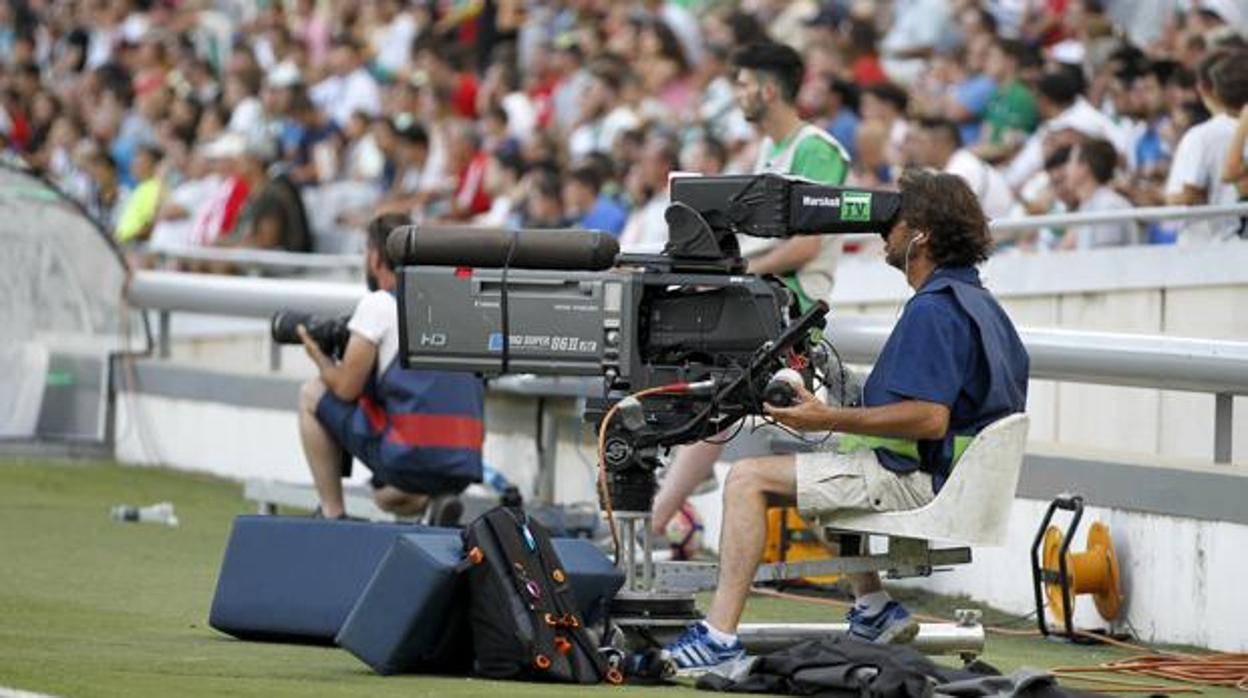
(973, 507)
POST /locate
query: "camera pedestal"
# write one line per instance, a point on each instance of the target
(657, 601)
(647, 615)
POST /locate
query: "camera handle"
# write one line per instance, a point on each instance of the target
(760, 365)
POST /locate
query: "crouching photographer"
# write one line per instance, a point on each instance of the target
(420, 432)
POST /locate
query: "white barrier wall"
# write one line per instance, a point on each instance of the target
(1182, 578)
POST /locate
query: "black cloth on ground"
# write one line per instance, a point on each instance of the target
(841, 667)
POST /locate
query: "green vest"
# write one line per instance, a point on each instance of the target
(906, 448)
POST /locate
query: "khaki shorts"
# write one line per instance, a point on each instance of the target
(828, 481)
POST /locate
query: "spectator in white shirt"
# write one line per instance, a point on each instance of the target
(937, 143)
(1088, 174)
(392, 41)
(602, 116)
(1199, 160)
(919, 28)
(502, 86)
(247, 117)
(646, 229)
(1063, 108)
(349, 89)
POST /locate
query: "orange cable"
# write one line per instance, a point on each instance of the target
(603, 491)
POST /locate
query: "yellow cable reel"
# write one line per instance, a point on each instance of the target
(1093, 571)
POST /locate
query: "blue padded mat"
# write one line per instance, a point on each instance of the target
(413, 615)
(295, 579)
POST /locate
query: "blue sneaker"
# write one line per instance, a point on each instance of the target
(695, 652)
(892, 625)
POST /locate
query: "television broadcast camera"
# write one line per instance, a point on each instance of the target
(688, 328)
(687, 344)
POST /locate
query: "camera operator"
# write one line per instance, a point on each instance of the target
(420, 432)
(768, 78)
(952, 365)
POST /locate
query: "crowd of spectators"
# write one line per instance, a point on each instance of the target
(289, 124)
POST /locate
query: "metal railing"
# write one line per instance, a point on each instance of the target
(1148, 361)
(1147, 213)
(167, 292)
(1104, 358)
(263, 260)
(287, 262)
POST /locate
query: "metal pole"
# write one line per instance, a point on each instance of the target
(630, 555)
(165, 341)
(275, 356)
(547, 450)
(1224, 404)
(647, 563)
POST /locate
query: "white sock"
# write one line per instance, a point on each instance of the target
(872, 603)
(719, 636)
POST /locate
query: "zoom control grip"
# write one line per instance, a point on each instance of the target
(782, 389)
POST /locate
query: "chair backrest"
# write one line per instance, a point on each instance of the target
(974, 505)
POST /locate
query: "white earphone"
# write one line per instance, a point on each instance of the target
(921, 237)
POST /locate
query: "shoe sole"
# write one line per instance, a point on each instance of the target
(898, 634)
(698, 672)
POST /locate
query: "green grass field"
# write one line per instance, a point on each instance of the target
(91, 607)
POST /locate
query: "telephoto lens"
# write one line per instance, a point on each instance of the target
(329, 333)
(284, 324)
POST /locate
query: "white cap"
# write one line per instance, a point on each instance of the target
(1070, 52)
(1231, 11)
(227, 145)
(284, 75)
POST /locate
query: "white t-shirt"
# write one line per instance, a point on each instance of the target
(1105, 234)
(646, 229)
(686, 28)
(247, 119)
(986, 181)
(342, 96)
(916, 24)
(521, 115)
(394, 42)
(1198, 162)
(376, 318)
(600, 134)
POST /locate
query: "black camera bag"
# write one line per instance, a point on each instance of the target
(524, 620)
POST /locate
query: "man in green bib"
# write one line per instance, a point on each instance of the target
(767, 81)
(768, 78)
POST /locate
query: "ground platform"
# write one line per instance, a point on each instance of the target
(92, 607)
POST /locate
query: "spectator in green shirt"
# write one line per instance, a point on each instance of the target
(767, 82)
(138, 214)
(1011, 114)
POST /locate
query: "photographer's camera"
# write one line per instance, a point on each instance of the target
(329, 333)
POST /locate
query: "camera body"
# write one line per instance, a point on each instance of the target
(635, 328)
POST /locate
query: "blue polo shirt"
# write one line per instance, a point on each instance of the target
(954, 346)
(607, 215)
